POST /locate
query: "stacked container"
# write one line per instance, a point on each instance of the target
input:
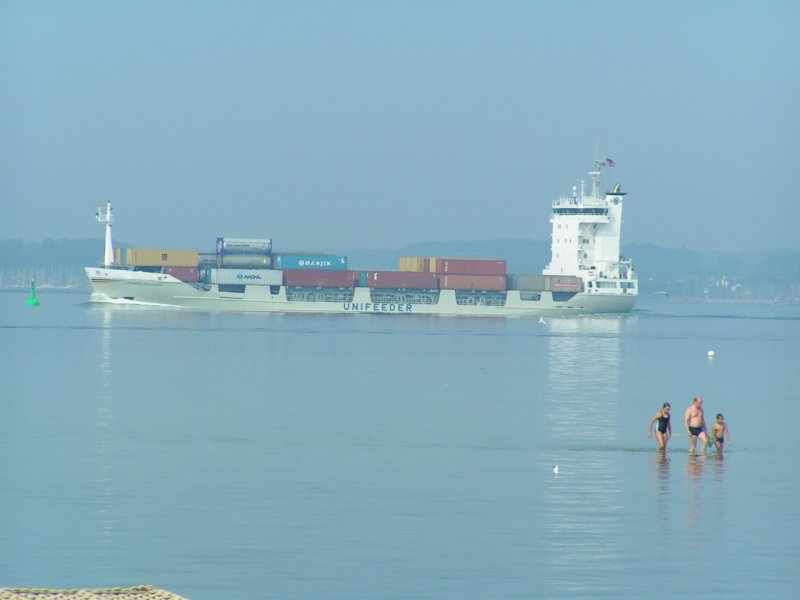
(453, 266)
(412, 263)
(310, 262)
(486, 283)
(545, 283)
(484, 274)
(161, 257)
(245, 261)
(244, 246)
(466, 266)
(187, 274)
(244, 253)
(320, 278)
(246, 277)
(401, 280)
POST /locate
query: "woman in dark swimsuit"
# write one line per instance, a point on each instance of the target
(664, 429)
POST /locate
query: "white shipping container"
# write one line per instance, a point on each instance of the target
(228, 245)
(247, 277)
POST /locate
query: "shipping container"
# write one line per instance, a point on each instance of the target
(413, 264)
(545, 283)
(564, 283)
(310, 261)
(161, 257)
(246, 276)
(245, 261)
(117, 256)
(493, 283)
(187, 274)
(402, 280)
(207, 260)
(226, 245)
(320, 278)
(527, 282)
(466, 266)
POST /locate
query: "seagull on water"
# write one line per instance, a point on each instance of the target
(555, 469)
(541, 320)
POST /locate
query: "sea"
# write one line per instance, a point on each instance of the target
(255, 456)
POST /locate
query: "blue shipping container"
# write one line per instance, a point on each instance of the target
(326, 262)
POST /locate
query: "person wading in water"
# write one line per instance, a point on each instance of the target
(695, 422)
(664, 429)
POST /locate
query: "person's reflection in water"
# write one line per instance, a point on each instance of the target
(718, 488)
(662, 463)
(695, 465)
(662, 478)
(718, 464)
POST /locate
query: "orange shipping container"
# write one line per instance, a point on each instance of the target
(402, 279)
(466, 266)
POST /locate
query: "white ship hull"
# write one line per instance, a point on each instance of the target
(115, 285)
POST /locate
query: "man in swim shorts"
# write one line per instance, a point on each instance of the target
(695, 422)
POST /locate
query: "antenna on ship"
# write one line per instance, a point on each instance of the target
(107, 218)
(599, 164)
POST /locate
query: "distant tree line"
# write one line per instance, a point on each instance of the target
(51, 263)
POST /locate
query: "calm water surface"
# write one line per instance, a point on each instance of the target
(366, 456)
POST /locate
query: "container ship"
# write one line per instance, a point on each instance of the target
(586, 274)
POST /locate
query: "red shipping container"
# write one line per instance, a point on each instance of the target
(466, 266)
(319, 278)
(488, 283)
(187, 274)
(402, 279)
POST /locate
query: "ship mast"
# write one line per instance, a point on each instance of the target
(107, 218)
(596, 177)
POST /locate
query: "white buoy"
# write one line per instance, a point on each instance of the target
(711, 354)
(555, 469)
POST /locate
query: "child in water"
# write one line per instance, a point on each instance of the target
(719, 432)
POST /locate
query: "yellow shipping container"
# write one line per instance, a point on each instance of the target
(412, 263)
(161, 257)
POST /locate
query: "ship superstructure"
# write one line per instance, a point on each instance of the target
(585, 275)
(586, 237)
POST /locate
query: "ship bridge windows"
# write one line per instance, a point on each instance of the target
(601, 212)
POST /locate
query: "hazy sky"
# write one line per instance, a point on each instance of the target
(372, 124)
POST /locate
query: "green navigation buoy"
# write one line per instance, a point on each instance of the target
(33, 300)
